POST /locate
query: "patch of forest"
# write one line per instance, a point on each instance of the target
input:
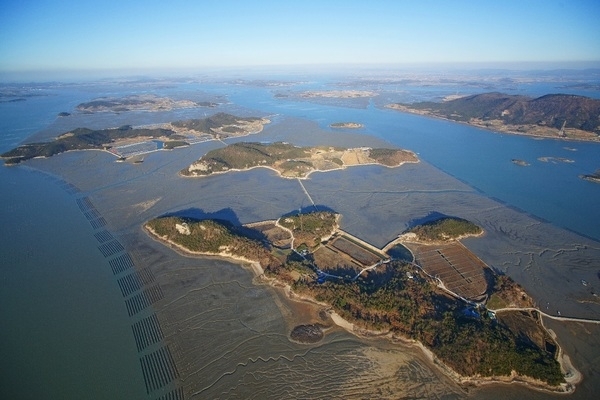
(443, 229)
(81, 139)
(396, 297)
(552, 110)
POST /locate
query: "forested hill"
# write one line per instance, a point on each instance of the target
(552, 110)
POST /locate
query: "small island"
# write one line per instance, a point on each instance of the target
(491, 334)
(347, 125)
(555, 160)
(291, 161)
(127, 141)
(552, 116)
(338, 94)
(595, 177)
(520, 163)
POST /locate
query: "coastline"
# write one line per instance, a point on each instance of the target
(346, 125)
(464, 381)
(305, 177)
(497, 130)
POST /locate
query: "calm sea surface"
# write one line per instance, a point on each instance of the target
(66, 334)
(66, 331)
(550, 190)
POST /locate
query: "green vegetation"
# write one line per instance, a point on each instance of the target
(248, 155)
(496, 302)
(443, 229)
(413, 307)
(396, 297)
(391, 157)
(290, 160)
(551, 110)
(309, 228)
(216, 121)
(80, 139)
(171, 144)
(87, 139)
(214, 237)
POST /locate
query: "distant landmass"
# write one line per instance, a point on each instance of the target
(553, 115)
(138, 103)
(342, 94)
(291, 161)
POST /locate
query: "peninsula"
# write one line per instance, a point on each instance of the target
(291, 161)
(127, 140)
(391, 292)
(553, 116)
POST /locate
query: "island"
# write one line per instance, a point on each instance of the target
(339, 94)
(595, 177)
(347, 125)
(519, 162)
(127, 141)
(424, 288)
(555, 160)
(554, 115)
(146, 102)
(291, 161)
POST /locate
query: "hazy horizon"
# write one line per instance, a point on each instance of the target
(61, 38)
(264, 71)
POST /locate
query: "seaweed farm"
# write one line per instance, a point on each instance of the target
(347, 253)
(456, 266)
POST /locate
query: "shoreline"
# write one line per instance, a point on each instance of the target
(474, 381)
(346, 125)
(497, 130)
(305, 177)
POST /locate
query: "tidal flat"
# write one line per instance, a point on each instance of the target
(229, 336)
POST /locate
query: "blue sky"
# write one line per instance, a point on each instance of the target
(78, 35)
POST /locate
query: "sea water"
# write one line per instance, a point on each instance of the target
(551, 190)
(65, 331)
(70, 335)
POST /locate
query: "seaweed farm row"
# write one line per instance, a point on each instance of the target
(140, 291)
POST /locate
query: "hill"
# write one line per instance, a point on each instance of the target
(174, 134)
(445, 229)
(292, 161)
(557, 115)
(81, 139)
(395, 297)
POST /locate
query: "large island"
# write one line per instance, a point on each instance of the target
(292, 161)
(126, 140)
(390, 291)
(138, 103)
(553, 115)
